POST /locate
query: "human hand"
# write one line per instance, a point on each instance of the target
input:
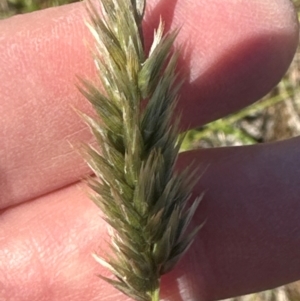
(237, 51)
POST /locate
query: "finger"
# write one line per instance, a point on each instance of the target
(46, 246)
(46, 254)
(235, 52)
(250, 241)
(228, 67)
(252, 237)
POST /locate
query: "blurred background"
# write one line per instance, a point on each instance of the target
(273, 118)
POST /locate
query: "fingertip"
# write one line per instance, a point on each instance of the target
(236, 51)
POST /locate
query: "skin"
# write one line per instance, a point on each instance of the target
(235, 52)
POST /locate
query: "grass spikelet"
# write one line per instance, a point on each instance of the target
(142, 197)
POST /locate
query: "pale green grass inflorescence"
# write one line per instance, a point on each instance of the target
(142, 197)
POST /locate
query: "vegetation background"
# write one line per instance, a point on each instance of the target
(275, 117)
